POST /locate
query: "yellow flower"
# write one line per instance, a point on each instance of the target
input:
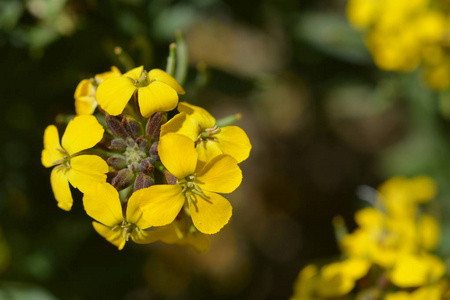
(417, 270)
(85, 101)
(81, 170)
(156, 91)
(339, 278)
(305, 287)
(210, 140)
(196, 186)
(432, 292)
(102, 203)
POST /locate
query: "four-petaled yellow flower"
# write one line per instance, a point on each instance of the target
(81, 170)
(85, 100)
(210, 140)
(156, 91)
(196, 187)
(102, 203)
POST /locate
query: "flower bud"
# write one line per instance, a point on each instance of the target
(115, 126)
(143, 181)
(134, 167)
(130, 142)
(143, 144)
(117, 144)
(117, 162)
(154, 151)
(131, 126)
(123, 179)
(171, 179)
(146, 165)
(153, 128)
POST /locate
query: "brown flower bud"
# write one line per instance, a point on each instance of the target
(170, 178)
(154, 151)
(143, 181)
(131, 126)
(143, 144)
(123, 179)
(153, 127)
(118, 144)
(146, 165)
(115, 127)
(117, 162)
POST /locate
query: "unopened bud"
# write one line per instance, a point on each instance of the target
(143, 144)
(131, 126)
(154, 151)
(123, 179)
(130, 142)
(153, 128)
(143, 181)
(117, 145)
(170, 178)
(117, 162)
(134, 167)
(115, 127)
(146, 165)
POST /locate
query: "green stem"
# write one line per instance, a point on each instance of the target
(124, 58)
(182, 54)
(229, 120)
(170, 69)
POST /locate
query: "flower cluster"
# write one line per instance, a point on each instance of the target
(403, 34)
(144, 176)
(388, 255)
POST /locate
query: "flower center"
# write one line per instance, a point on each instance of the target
(189, 185)
(207, 134)
(64, 162)
(127, 229)
(133, 154)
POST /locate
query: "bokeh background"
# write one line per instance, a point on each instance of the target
(325, 123)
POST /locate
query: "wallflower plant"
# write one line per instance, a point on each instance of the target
(144, 176)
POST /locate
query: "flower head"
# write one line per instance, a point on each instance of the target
(156, 91)
(210, 140)
(102, 203)
(81, 170)
(196, 188)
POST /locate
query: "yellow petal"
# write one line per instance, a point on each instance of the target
(157, 96)
(83, 132)
(134, 213)
(112, 236)
(51, 142)
(220, 175)
(209, 214)
(233, 141)
(429, 232)
(85, 105)
(160, 75)
(113, 94)
(115, 72)
(61, 189)
(147, 237)
(86, 171)
(410, 271)
(84, 88)
(207, 151)
(200, 115)
(178, 154)
(134, 73)
(102, 203)
(163, 204)
(183, 125)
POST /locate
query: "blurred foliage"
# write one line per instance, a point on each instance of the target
(323, 121)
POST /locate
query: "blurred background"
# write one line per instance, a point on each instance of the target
(323, 120)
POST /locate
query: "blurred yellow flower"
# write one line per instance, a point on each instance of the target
(81, 170)
(156, 91)
(196, 186)
(210, 140)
